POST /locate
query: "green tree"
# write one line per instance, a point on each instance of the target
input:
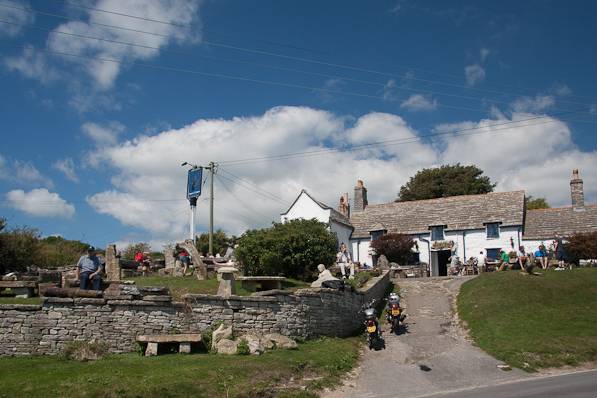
(444, 181)
(536, 203)
(129, 252)
(18, 249)
(581, 246)
(221, 242)
(292, 249)
(55, 251)
(396, 247)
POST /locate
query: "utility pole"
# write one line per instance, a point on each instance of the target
(211, 168)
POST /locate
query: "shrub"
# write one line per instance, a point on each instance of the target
(396, 247)
(243, 348)
(85, 350)
(292, 249)
(582, 246)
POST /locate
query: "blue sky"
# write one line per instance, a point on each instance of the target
(91, 149)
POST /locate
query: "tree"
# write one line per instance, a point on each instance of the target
(396, 247)
(535, 203)
(581, 246)
(444, 181)
(129, 252)
(55, 251)
(18, 249)
(292, 249)
(221, 242)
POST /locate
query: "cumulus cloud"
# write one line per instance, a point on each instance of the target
(149, 184)
(103, 134)
(418, 102)
(67, 167)
(40, 203)
(474, 74)
(484, 53)
(180, 27)
(26, 172)
(533, 104)
(32, 64)
(12, 11)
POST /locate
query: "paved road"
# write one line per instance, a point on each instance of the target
(575, 385)
(431, 356)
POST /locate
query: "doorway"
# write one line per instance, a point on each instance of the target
(443, 258)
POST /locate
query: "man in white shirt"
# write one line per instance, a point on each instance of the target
(343, 259)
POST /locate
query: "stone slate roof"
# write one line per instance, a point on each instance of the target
(546, 223)
(455, 213)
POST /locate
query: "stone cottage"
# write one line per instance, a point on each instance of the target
(459, 225)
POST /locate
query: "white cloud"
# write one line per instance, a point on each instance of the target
(28, 173)
(533, 104)
(484, 53)
(12, 11)
(388, 90)
(40, 203)
(181, 27)
(474, 74)
(67, 167)
(32, 64)
(561, 89)
(103, 134)
(418, 102)
(149, 184)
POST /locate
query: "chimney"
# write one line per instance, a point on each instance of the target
(344, 207)
(360, 197)
(576, 190)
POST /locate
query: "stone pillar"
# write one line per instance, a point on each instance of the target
(227, 286)
(360, 197)
(184, 348)
(151, 350)
(169, 258)
(112, 264)
(577, 191)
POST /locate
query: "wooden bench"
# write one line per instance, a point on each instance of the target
(266, 282)
(154, 340)
(21, 289)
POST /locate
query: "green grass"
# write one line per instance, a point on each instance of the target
(180, 286)
(15, 300)
(533, 322)
(176, 375)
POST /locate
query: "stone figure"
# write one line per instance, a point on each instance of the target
(324, 275)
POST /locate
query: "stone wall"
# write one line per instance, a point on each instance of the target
(47, 328)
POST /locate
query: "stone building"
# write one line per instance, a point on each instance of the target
(464, 225)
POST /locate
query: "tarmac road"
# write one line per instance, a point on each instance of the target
(431, 355)
(573, 385)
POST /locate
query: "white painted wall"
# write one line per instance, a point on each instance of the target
(360, 251)
(307, 209)
(532, 245)
(476, 241)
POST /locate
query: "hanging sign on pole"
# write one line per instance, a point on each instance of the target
(194, 182)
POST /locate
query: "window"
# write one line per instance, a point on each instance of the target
(493, 254)
(493, 230)
(375, 235)
(437, 233)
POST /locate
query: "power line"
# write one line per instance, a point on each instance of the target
(242, 202)
(259, 191)
(245, 181)
(397, 141)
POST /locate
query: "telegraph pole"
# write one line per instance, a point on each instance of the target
(212, 170)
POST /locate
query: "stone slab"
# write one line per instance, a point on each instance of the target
(261, 278)
(94, 301)
(154, 290)
(18, 284)
(58, 300)
(157, 298)
(20, 307)
(170, 338)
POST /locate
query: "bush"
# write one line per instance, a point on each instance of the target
(292, 249)
(18, 249)
(85, 350)
(243, 348)
(582, 247)
(396, 247)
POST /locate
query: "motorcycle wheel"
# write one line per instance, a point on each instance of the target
(395, 325)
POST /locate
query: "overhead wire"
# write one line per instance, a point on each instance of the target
(242, 202)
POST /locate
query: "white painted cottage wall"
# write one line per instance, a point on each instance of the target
(532, 245)
(477, 241)
(306, 208)
(360, 251)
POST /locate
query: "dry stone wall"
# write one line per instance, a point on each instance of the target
(47, 328)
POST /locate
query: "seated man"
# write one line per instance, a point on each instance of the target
(89, 269)
(505, 260)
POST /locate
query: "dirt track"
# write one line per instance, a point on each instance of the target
(430, 355)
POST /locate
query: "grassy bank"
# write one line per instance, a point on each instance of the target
(533, 322)
(280, 373)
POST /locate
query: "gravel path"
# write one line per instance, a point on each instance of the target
(430, 356)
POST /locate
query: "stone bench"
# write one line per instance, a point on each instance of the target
(21, 289)
(250, 283)
(153, 341)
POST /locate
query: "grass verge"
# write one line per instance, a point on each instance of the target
(280, 373)
(533, 322)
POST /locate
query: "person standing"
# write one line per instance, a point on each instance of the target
(343, 259)
(481, 258)
(89, 269)
(185, 259)
(560, 253)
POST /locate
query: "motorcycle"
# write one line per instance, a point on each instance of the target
(372, 329)
(394, 314)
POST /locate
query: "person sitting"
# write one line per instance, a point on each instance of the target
(343, 259)
(88, 270)
(505, 260)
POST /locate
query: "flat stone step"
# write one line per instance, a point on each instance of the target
(170, 338)
(18, 284)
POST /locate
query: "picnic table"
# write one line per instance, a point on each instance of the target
(154, 340)
(250, 283)
(21, 289)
